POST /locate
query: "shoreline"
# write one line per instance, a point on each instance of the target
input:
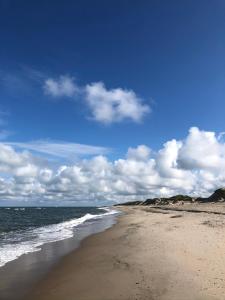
(21, 275)
(145, 255)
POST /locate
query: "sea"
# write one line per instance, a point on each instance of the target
(26, 229)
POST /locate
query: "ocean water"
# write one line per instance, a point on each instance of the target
(26, 229)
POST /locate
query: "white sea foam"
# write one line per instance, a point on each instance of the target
(32, 240)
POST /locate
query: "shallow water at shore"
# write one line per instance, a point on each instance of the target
(26, 229)
(19, 276)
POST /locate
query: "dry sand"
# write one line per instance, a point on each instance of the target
(149, 254)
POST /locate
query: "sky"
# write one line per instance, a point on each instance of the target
(108, 101)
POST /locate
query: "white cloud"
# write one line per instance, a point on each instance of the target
(64, 86)
(60, 149)
(106, 106)
(142, 152)
(115, 105)
(202, 150)
(195, 166)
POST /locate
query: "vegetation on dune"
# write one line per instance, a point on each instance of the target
(217, 196)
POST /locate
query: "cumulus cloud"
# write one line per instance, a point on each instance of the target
(142, 152)
(64, 86)
(106, 105)
(202, 150)
(115, 105)
(194, 165)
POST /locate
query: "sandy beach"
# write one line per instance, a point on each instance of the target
(151, 253)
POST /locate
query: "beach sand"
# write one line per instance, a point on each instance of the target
(151, 253)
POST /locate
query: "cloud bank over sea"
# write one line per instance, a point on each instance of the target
(194, 165)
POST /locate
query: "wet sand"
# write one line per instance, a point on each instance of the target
(21, 275)
(151, 253)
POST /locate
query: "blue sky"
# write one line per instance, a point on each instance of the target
(168, 54)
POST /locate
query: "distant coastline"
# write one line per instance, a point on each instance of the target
(217, 196)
